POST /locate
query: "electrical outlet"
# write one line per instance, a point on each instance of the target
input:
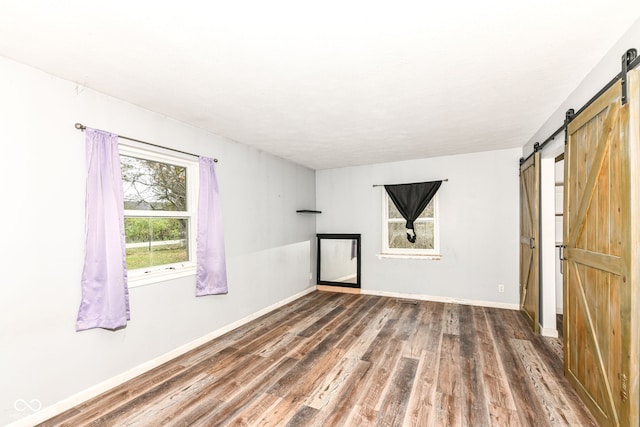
(310, 276)
(500, 288)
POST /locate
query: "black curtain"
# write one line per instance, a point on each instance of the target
(411, 199)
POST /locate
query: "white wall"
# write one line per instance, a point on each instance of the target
(559, 204)
(602, 73)
(270, 249)
(478, 224)
(546, 244)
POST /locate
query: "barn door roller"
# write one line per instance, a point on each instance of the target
(568, 116)
(627, 58)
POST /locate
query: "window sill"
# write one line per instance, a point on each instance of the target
(143, 279)
(435, 257)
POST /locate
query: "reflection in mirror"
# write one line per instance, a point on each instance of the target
(339, 262)
(339, 259)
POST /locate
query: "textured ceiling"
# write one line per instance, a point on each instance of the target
(332, 83)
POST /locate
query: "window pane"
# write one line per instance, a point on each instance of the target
(393, 211)
(150, 185)
(424, 236)
(156, 241)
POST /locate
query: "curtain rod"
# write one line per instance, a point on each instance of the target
(82, 127)
(630, 61)
(382, 185)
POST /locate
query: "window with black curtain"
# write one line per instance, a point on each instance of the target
(413, 206)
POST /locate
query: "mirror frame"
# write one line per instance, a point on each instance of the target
(355, 237)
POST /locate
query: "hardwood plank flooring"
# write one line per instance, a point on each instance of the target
(332, 359)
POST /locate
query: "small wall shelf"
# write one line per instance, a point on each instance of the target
(308, 211)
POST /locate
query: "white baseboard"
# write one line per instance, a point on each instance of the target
(76, 399)
(548, 332)
(463, 301)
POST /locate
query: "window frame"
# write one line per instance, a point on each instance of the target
(388, 252)
(158, 273)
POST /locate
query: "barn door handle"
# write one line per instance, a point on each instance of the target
(532, 242)
(561, 256)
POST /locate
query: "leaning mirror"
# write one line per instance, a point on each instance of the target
(339, 260)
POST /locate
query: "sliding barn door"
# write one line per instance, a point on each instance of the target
(529, 239)
(601, 257)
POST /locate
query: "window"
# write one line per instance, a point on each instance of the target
(160, 197)
(394, 234)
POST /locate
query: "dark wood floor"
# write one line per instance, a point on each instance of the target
(332, 359)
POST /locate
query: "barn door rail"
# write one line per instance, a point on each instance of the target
(629, 60)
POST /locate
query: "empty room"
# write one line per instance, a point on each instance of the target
(320, 213)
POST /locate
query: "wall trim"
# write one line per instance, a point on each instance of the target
(464, 301)
(340, 289)
(95, 390)
(549, 332)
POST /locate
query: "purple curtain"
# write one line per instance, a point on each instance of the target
(105, 296)
(211, 273)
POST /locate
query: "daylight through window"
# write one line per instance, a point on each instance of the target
(159, 210)
(395, 234)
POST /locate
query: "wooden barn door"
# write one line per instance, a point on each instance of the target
(529, 239)
(600, 237)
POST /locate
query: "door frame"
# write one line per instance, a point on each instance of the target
(550, 293)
